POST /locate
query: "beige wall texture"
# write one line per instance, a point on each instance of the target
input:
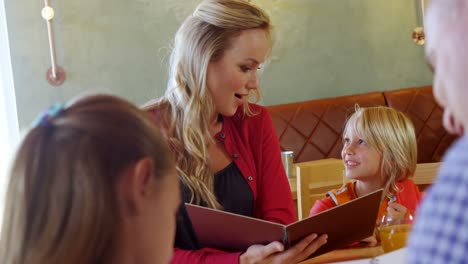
(323, 48)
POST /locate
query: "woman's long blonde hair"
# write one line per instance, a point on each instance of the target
(202, 37)
(392, 134)
(61, 204)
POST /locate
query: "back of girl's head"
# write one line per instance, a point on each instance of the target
(203, 37)
(393, 135)
(61, 201)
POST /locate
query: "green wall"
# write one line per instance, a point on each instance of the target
(323, 48)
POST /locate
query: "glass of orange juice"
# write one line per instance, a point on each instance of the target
(395, 232)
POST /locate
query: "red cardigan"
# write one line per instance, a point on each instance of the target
(254, 147)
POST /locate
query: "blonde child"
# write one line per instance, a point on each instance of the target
(93, 182)
(379, 151)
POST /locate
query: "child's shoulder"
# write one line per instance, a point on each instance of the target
(333, 198)
(406, 185)
(342, 195)
(408, 194)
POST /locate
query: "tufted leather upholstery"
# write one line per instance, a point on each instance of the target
(420, 106)
(312, 129)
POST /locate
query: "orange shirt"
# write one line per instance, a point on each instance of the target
(409, 196)
(347, 193)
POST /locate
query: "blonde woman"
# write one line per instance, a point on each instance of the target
(93, 182)
(379, 151)
(227, 153)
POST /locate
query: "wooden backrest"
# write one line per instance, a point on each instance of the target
(314, 179)
(425, 174)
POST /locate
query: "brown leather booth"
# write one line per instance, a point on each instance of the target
(312, 129)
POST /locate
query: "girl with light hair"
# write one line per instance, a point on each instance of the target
(93, 182)
(379, 151)
(227, 152)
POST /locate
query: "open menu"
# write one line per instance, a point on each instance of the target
(344, 224)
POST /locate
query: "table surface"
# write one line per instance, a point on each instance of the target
(346, 254)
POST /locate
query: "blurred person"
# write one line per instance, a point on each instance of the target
(92, 182)
(440, 234)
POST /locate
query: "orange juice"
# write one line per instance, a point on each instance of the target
(394, 236)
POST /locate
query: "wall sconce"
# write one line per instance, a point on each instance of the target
(418, 33)
(47, 13)
(55, 75)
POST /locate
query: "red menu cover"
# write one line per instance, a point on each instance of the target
(344, 224)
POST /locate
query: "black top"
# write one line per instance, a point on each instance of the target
(233, 193)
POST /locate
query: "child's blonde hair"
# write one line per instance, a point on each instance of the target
(392, 134)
